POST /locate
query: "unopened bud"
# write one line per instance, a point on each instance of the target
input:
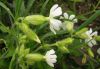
(28, 32)
(34, 58)
(81, 33)
(90, 52)
(35, 19)
(84, 59)
(69, 26)
(64, 42)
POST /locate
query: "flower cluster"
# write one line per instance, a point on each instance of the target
(55, 24)
(65, 22)
(91, 42)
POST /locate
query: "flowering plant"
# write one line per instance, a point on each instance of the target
(31, 44)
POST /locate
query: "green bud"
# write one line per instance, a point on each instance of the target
(84, 59)
(28, 32)
(90, 52)
(81, 33)
(35, 19)
(97, 38)
(21, 50)
(64, 42)
(34, 58)
(69, 26)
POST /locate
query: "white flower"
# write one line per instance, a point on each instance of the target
(69, 22)
(50, 57)
(71, 17)
(55, 24)
(98, 51)
(90, 40)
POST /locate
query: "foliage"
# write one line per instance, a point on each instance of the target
(25, 37)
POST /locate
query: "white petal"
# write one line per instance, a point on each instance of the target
(53, 8)
(90, 31)
(88, 34)
(56, 24)
(51, 51)
(52, 56)
(98, 51)
(93, 42)
(94, 33)
(51, 64)
(53, 60)
(52, 29)
(71, 17)
(75, 20)
(66, 15)
(90, 44)
(56, 12)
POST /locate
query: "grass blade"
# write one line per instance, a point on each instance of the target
(18, 4)
(7, 9)
(90, 20)
(29, 5)
(44, 6)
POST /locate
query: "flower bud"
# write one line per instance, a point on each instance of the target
(34, 58)
(81, 33)
(22, 51)
(28, 32)
(64, 42)
(69, 26)
(84, 59)
(90, 52)
(35, 19)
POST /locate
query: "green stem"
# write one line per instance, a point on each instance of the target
(13, 58)
(97, 5)
(48, 45)
(74, 6)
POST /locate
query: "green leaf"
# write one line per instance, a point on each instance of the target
(82, 17)
(90, 20)
(44, 6)
(29, 5)
(7, 9)
(23, 9)
(18, 4)
(77, 0)
(28, 32)
(3, 28)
